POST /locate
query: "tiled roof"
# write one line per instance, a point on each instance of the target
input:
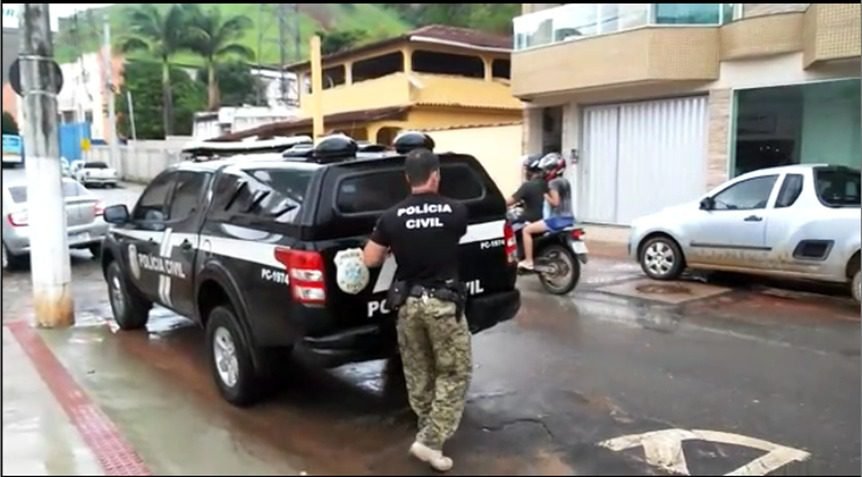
(464, 37)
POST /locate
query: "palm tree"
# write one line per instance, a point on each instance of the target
(215, 38)
(162, 35)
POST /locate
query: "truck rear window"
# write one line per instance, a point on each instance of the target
(377, 191)
(837, 187)
(276, 194)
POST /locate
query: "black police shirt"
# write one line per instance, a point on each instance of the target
(532, 194)
(423, 232)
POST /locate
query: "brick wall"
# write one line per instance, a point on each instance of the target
(718, 151)
(760, 9)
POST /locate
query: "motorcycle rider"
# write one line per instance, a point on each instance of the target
(532, 192)
(558, 197)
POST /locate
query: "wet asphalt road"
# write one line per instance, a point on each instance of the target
(779, 364)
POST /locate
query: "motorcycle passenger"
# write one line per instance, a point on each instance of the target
(532, 192)
(559, 199)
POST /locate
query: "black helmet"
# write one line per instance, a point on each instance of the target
(531, 162)
(409, 140)
(335, 147)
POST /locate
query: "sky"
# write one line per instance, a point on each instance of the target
(58, 10)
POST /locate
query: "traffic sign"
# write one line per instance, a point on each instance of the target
(15, 76)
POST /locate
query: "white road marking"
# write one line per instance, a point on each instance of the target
(663, 449)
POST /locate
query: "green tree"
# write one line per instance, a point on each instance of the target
(340, 40)
(236, 83)
(161, 35)
(215, 38)
(144, 80)
(10, 126)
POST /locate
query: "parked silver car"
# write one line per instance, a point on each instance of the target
(795, 221)
(84, 222)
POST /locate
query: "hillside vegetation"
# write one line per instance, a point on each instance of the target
(361, 23)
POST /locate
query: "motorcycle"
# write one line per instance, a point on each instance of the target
(557, 256)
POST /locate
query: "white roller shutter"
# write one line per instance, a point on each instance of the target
(656, 151)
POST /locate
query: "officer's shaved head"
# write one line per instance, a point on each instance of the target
(420, 165)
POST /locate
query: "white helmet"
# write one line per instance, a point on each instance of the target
(351, 273)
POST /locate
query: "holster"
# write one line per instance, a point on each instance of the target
(397, 295)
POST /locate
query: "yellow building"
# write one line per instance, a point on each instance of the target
(436, 78)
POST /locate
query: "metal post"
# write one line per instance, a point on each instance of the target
(109, 94)
(131, 114)
(316, 88)
(282, 53)
(49, 248)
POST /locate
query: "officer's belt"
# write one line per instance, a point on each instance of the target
(440, 293)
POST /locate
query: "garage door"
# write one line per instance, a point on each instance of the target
(641, 157)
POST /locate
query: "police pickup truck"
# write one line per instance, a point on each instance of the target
(245, 247)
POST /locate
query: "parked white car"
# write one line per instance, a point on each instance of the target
(795, 221)
(90, 173)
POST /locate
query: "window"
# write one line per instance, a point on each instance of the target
(790, 191)
(746, 195)
(95, 165)
(448, 64)
(333, 76)
(837, 187)
(187, 195)
(687, 13)
(151, 205)
(501, 69)
(378, 191)
(378, 67)
(276, 194)
(70, 189)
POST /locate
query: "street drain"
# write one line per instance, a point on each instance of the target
(659, 289)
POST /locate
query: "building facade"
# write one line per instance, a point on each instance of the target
(658, 103)
(439, 79)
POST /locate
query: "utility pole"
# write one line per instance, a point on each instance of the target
(131, 114)
(282, 53)
(109, 94)
(316, 89)
(49, 248)
(259, 51)
(296, 37)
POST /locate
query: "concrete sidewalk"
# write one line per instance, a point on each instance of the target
(38, 438)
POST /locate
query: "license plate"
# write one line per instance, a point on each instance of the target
(79, 237)
(579, 248)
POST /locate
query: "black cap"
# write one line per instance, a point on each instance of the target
(409, 140)
(335, 147)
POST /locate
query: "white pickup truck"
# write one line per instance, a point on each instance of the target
(91, 173)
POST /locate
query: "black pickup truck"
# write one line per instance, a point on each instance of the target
(244, 246)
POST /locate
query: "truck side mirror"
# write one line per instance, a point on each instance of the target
(117, 214)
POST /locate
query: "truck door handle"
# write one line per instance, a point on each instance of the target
(753, 218)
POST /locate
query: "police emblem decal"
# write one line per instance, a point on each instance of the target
(352, 275)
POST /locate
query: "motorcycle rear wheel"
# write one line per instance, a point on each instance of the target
(567, 269)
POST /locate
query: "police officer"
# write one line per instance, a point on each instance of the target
(423, 232)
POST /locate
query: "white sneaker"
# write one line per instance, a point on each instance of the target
(433, 457)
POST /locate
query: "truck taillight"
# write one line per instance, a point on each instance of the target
(305, 274)
(511, 243)
(18, 219)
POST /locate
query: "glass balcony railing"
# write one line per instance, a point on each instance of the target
(575, 21)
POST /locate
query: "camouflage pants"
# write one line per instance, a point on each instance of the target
(435, 349)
